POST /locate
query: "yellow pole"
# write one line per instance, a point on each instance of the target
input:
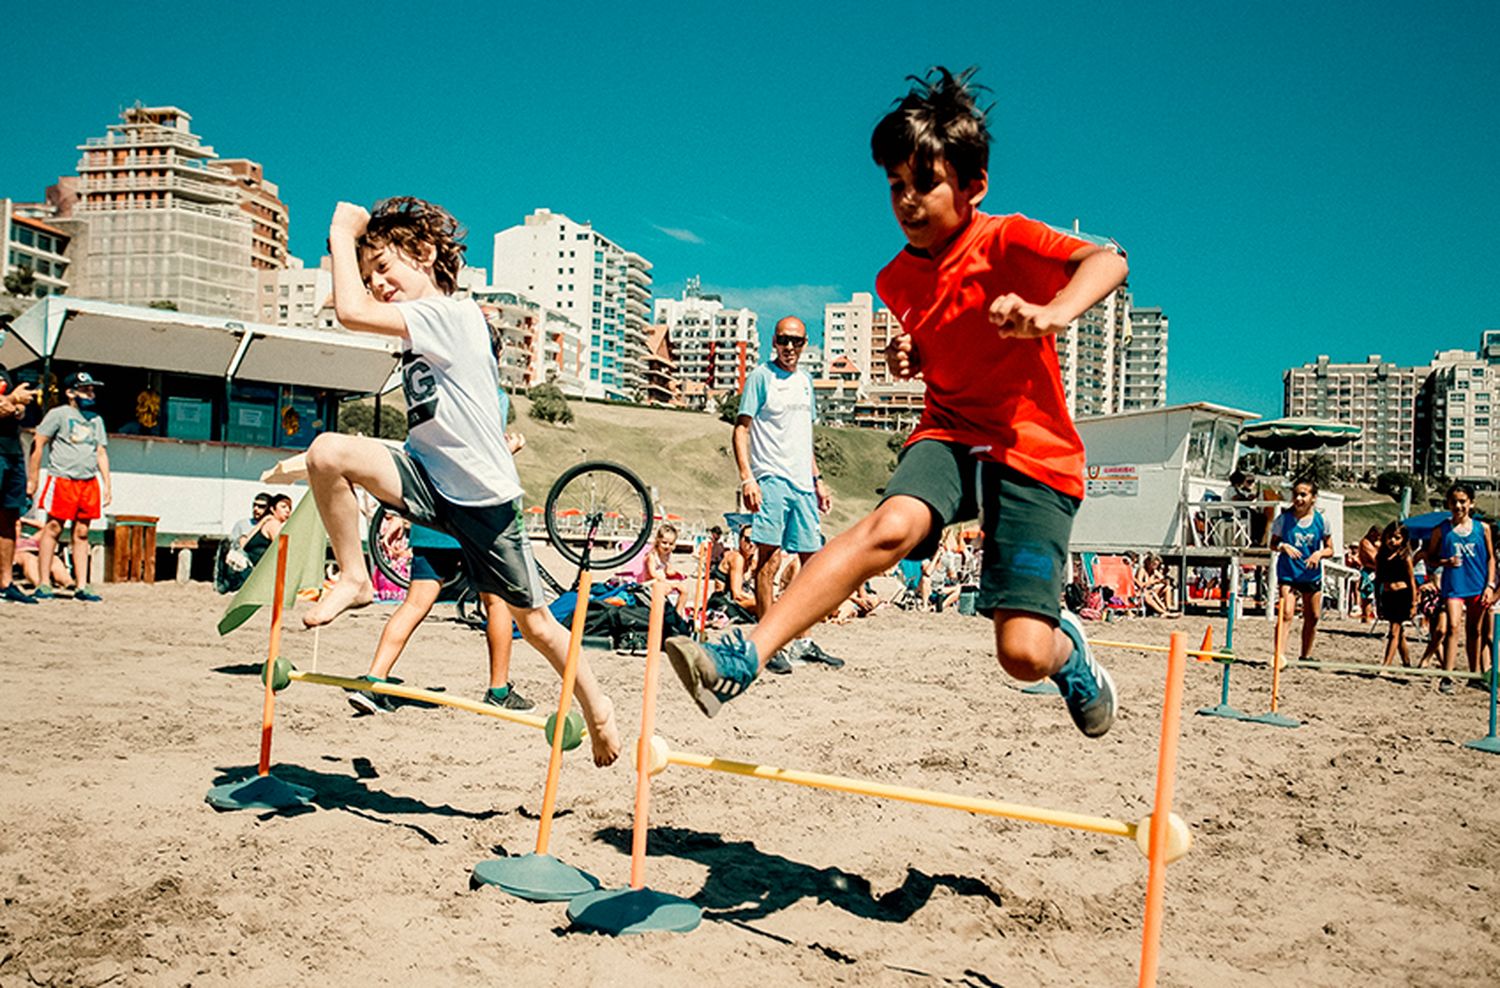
(1276, 657)
(648, 727)
(1199, 653)
(906, 794)
(420, 695)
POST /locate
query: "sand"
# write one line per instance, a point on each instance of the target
(1358, 849)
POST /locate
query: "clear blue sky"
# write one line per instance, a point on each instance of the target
(1289, 179)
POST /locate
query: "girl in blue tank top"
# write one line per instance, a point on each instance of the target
(1462, 547)
(1301, 542)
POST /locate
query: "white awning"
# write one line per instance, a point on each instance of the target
(103, 334)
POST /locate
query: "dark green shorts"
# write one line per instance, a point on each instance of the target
(1026, 524)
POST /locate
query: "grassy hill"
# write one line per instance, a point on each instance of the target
(686, 458)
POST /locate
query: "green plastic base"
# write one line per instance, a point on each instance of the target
(1272, 720)
(1223, 710)
(260, 792)
(622, 911)
(534, 877)
(1490, 744)
(1044, 688)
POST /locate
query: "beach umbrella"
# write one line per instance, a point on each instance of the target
(1299, 433)
(1420, 527)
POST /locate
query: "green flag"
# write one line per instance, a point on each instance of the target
(307, 544)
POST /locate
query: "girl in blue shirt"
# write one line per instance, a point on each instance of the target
(1461, 551)
(1300, 542)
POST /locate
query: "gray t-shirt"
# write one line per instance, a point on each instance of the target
(76, 438)
(780, 405)
(452, 385)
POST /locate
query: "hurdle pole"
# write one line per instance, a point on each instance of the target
(1490, 742)
(564, 704)
(700, 618)
(907, 794)
(418, 695)
(1161, 811)
(1277, 648)
(643, 743)
(268, 707)
(1197, 653)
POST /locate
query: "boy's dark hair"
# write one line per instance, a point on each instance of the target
(410, 225)
(1309, 483)
(938, 118)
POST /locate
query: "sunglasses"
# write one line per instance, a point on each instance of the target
(794, 341)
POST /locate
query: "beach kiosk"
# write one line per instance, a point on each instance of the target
(1157, 480)
(197, 407)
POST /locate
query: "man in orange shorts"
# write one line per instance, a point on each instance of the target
(77, 486)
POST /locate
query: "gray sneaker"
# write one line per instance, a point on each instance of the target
(507, 698)
(1085, 684)
(368, 701)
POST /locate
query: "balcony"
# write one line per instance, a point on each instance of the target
(197, 188)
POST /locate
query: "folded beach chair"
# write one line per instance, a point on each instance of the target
(909, 597)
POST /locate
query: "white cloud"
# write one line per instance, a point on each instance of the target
(678, 233)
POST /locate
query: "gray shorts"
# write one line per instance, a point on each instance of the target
(492, 539)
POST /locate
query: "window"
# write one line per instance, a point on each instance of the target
(24, 235)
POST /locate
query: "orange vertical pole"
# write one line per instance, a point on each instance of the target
(643, 744)
(268, 708)
(1276, 648)
(564, 703)
(705, 581)
(1161, 812)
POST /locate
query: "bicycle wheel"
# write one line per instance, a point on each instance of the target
(390, 549)
(599, 511)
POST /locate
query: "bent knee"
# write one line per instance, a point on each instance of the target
(330, 451)
(1026, 647)
(897, 527)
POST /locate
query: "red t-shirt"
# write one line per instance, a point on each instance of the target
(1002, 396)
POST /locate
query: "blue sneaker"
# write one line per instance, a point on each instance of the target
(16, 595)
(714, 672)
(84, 593)
(1085, 684)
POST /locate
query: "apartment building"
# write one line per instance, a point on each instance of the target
(1375, 394)
(1456, 412)
(294, 295)
(261, 201)
(714, 346)
(537, 345)
(33, 244)
(662, 384)
(591, 281)
(1141, 378)
(156, 220)
(847, 328)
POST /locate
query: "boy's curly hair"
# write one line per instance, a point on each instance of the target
(937, 118)
(410, 225)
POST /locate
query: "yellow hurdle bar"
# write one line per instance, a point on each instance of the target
(1374, 670)
(424, 696)
(1139, 647)
(905, 794)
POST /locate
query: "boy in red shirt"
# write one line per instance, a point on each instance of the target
(979, 299)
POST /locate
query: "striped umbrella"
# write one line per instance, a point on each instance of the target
(1298, 433)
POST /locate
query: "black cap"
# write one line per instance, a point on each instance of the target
(82, 379)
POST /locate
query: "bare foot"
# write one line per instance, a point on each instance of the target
(605, 736)
(344, 595)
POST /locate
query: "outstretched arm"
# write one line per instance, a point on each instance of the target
(352, 303)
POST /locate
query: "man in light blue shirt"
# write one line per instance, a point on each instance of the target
(779, 479)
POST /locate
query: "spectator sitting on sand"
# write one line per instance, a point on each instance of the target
(30, 565)
(265, 532)
(731, 594)
(1155, 586)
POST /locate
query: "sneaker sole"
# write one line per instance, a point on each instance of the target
(679, 653)
(1109, 681)
(363, 704)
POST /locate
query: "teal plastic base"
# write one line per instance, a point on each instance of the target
(1223, 710)
(1490, 744)
(622, 911)
(1272, 720)
(1044, 688)
(534, 877)
(260, 792)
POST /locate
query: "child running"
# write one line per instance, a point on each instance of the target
(1461, 548)
(980, 299)
(1300, 541)
(1397, 584)
(395, 273)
